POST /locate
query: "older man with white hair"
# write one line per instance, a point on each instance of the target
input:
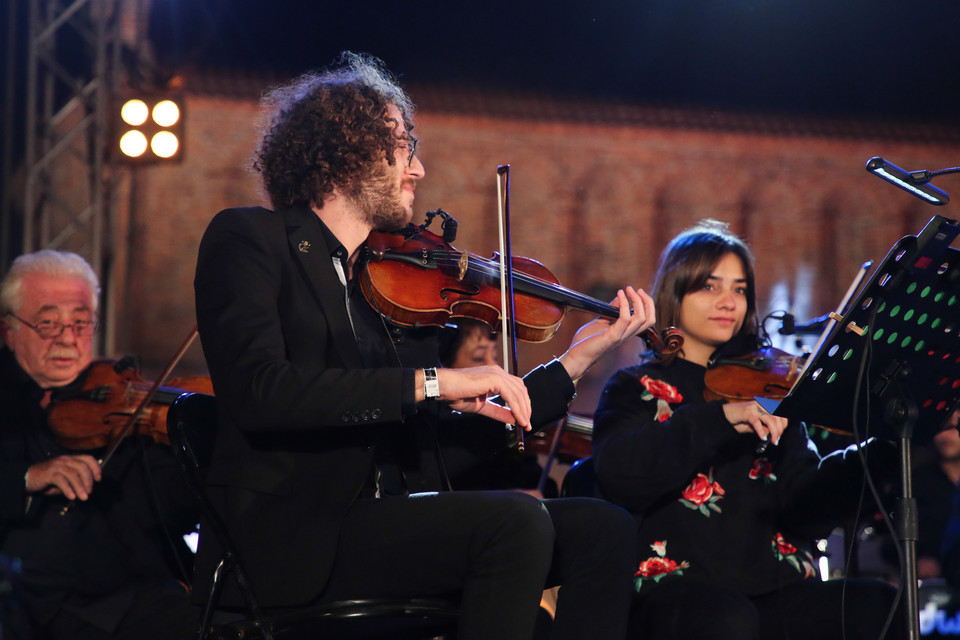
(104, 568)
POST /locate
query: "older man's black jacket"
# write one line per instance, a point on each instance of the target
(86, 558)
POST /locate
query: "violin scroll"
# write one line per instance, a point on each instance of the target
(666, 343)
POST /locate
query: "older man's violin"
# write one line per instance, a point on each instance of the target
(111, 401)
(93, 413)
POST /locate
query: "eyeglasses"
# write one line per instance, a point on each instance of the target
(52, 329)
(411, 144)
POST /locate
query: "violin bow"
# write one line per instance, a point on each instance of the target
(128, 427)
(508, 319)
(164, 375)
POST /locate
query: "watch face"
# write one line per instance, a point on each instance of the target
(431, 386)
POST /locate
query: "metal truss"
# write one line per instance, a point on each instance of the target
(71, 75)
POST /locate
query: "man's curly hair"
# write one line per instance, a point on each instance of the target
(328, 130)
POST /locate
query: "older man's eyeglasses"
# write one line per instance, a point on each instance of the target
(54, 329)
(411, 145)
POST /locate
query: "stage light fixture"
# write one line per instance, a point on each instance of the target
(133, 143)
(164, 144)
(166, 113)
(134, 112)
(150, 129)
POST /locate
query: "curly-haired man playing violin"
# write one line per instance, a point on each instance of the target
(329, 413)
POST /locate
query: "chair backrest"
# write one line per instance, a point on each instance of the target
(192, 428)
(580, 480)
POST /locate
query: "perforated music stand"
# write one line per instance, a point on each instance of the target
(906, 318)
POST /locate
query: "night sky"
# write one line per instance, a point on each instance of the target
(868, 58)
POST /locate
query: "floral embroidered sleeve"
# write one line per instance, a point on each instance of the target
(652, 434)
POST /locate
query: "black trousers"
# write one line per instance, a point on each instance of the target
(499, 549)
(684, 609)
(155, 612)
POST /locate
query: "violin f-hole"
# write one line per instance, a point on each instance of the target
(463, 292)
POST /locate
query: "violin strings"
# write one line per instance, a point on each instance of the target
(489, 269)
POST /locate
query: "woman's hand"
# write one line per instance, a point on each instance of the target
(749, 417)
(597, 338)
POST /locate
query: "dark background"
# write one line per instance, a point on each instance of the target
(876, 58)
(866, 59)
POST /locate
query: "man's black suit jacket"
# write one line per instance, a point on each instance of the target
(299, 415)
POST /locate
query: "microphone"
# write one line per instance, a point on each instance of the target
(790, 326)
(449, 227)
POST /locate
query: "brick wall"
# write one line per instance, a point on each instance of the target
(594, 201)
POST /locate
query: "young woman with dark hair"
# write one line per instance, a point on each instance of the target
(725, 525)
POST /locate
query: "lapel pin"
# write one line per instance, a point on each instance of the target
(304, 246)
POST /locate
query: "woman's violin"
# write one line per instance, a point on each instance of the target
(93, 412)
(415, 277)
(766, 372)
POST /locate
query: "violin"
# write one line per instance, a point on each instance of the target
(416, 278)
(766, 372)
(94, 411)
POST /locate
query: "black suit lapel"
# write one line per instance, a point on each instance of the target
(309, 248)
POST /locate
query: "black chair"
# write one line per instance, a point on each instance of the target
(191, 426)
(580, 480)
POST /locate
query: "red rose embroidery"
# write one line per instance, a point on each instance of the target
(652, 567)
(663, 411)
(656, 567)
(661, 390)
(784, 547)
(703, 494)
(663, 393)
(802, 561)
(762, 469)
(699, 491)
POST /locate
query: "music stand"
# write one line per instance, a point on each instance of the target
(903, 325)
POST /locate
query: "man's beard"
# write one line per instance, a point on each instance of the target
(376, 199)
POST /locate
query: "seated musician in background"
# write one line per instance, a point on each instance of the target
(935, 475)
(934, 483)
(470, 344)
(328, 416)
(479, 457)
(104, 567)
(949, 552)
(728, 498)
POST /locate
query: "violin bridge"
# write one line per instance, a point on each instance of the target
(462, 265)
